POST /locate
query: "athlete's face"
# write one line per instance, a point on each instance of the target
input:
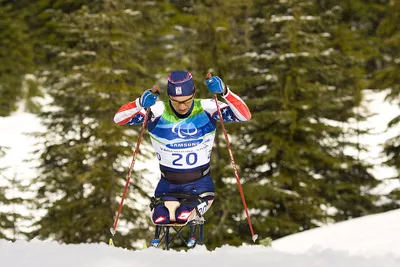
(181, 104)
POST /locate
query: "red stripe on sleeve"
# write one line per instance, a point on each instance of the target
(126, 113)
(239, 104)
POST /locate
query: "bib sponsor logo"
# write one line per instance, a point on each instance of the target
(186, 144)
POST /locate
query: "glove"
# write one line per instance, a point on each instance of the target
(148, 98)
(215, 85)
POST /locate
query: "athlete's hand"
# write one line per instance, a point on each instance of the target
(215, 84)
(149, 97)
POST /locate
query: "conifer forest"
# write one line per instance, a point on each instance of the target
(302, 66)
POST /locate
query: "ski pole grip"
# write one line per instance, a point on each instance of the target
(155, 90)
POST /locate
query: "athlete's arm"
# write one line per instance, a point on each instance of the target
(233, 110)
(134, 113)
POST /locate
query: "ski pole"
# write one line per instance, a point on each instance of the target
(253, 236)
(113, 229)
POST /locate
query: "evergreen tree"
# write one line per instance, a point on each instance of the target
(5, 222)
(7, 219)
(376, 24)
(387, 77)
(16, 56)
(304, 90)
(102, 64)
(9, 201)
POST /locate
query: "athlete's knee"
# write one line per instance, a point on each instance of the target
(160, 215)
(183, 212)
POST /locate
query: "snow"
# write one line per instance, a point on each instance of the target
(132, 13)
(370, 241)
(384, 113)
(275, 18)
(13, 135)
(368, 235)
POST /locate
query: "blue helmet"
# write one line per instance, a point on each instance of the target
(180, 83)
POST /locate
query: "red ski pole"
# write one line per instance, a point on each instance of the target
(113, 229)
(253, 236)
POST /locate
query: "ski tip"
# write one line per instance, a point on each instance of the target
(254, 238)
(110, 242)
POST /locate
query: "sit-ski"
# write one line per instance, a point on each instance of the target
(163, 237)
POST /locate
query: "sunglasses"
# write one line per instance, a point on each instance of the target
(185, 102)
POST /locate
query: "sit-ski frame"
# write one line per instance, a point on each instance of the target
(163, 233)
(196, 220)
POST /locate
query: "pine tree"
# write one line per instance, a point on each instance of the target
(11, 202)
(5, 222)
(102, 64)
(376, 22)
(7, 219)
(387, 77)
(304, 90)
(16, 56)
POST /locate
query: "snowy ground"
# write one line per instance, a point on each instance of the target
(370, 241)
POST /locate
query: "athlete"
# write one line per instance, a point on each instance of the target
(182, 131)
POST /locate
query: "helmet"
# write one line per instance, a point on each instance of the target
(180, 83)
